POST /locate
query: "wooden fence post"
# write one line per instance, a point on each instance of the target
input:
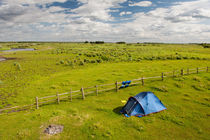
(162, 76)
(116, 84)
(70, 94)
(37, 103)
(182, 72)
(58, 98)
(197, 70)
(188, 71)
(142, 80)
(207, 69)
(96, 90)
(83, 93)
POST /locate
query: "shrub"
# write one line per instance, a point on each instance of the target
(69, 63)
(92, 61)
(179, 85)
(17, 65)
(205, 45)
(99, 61)
(178, 57)
(104, 58)
(86, 60)
(81, 63)
(61, 62)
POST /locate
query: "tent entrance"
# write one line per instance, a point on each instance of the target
(129, 107)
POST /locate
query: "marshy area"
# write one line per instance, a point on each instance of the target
(60, 67)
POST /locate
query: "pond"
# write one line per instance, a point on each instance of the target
(2, 59)
(14, 50)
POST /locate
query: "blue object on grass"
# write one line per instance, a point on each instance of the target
(128, 82)
(123, 82)
(126, 85)
(142, 104)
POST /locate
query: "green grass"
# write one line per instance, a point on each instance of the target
(97, 117)
(58, 67)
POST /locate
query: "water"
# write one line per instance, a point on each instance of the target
(2, 59)
(14, 50)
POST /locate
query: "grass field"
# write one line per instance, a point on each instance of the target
(58, 67)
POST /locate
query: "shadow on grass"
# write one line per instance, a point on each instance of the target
(117, 110)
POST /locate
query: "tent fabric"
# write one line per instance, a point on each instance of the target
(142, 104)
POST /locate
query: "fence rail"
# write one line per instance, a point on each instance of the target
(99, 88)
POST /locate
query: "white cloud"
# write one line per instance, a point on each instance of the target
(181, 22)
(125, 13)
(141, 4)
(30, 1)
(97, 10)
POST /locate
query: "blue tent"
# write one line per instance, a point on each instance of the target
(142, 104)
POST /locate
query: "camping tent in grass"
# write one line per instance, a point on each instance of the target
(142, 104)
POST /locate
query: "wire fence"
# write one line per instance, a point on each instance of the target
(84, 91)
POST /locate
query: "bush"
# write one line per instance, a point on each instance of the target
(178, 57)
(205, 45)
(61, 62)
(99, 61)
(81, 63)
(17, 65)
(104, 58)
(69, 63)
(86, 61)
(92, 61)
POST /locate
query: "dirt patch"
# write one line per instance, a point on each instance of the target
(54, 129)
(6, 58)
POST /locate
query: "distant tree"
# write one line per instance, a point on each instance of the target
(86, 42)
(205, 45)
(121, 42)
(99, 42)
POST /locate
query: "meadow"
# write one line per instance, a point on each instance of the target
(58, 67)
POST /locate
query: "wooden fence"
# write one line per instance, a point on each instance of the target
(84, 91)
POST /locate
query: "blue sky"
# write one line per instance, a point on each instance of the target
(175, 21)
